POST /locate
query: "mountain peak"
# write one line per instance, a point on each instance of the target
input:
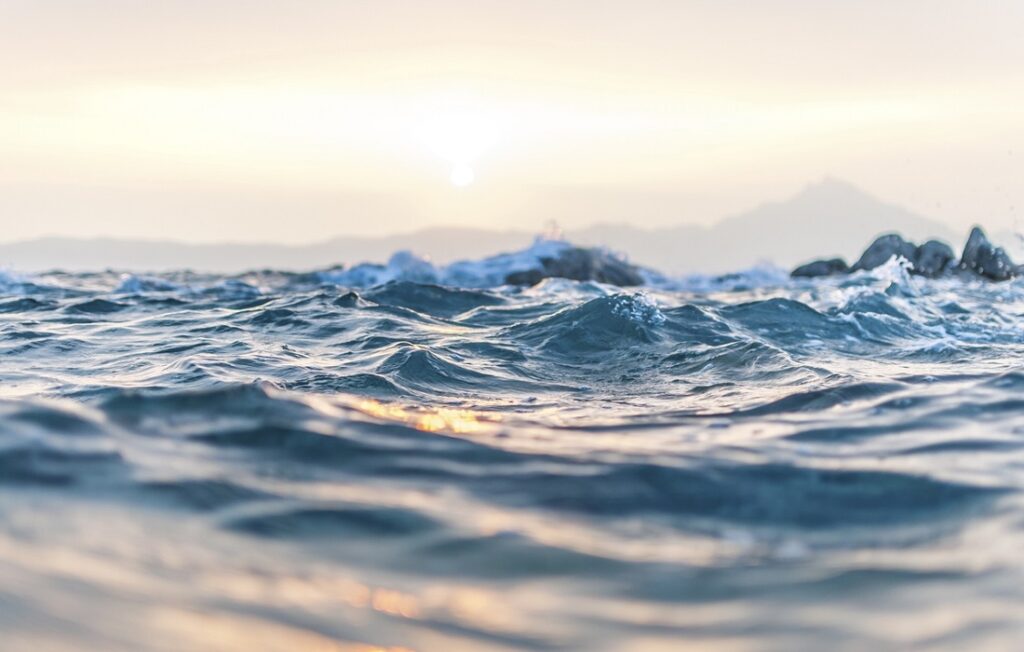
(830, 217)
(831, 188)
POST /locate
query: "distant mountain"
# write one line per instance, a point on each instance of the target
(74, 254)
(827, 218)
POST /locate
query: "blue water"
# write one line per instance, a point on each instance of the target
(286, 462)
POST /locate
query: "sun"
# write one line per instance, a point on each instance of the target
(462, 175)
(458, 130)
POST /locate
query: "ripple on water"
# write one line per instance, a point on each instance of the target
(736, 460)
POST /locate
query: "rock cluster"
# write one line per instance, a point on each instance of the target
(580, 264)
(931, 259)
(985, 259)
(826, 267)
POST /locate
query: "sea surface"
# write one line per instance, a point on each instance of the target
(393, 458)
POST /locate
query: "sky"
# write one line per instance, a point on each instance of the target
(224, 120)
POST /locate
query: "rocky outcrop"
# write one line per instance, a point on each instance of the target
(882, 250)
(985, 259)
(829, 267)
(580, 264)
(932, 259)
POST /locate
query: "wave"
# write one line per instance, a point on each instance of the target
(599, 326)
(433, 300)
(427, 456)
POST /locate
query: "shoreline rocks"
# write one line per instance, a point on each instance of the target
(933, 259)
(985, 259)
(827, 267)
(882, 249)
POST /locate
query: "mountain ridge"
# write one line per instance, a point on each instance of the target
(827, 218)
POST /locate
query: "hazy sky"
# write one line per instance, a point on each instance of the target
(292, 122)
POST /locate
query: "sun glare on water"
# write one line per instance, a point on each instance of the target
(451, 420)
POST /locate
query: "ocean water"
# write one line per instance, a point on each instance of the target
(402, 457)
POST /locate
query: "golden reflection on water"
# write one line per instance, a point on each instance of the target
(224, 633)
(395, 603)
(382, 410)
(305, 592)
(459, 421)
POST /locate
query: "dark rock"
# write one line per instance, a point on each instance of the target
(581, 264)
(526, 277)
(882, 250)
(933, 258)
(828, 267)
(985, 259)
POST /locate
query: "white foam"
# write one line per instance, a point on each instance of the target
(134, 284)
(895, 271)
(492, 271)
(639, 307)
(402, 266)
(12, 282)
(407, 266)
